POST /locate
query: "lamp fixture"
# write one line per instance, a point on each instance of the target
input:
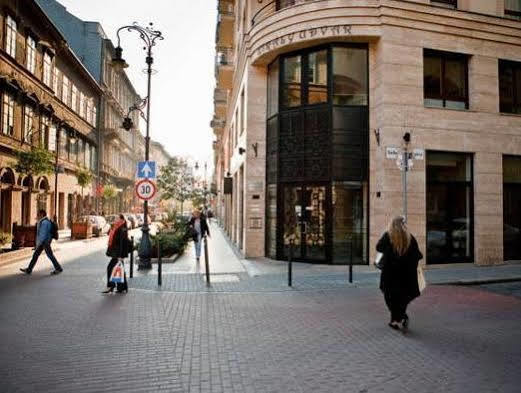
(242, 150)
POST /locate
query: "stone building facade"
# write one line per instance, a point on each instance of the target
(119, 151)
(48, 99)
(316, 101)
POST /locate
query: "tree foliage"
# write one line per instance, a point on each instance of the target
(35, 162)
(109, 191)
(200, 197)
(176, 180)
(84, 177)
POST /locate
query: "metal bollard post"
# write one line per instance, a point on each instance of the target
(290, 263)
(131, 256)
(159, 264)
(350, 259)
(206, 261)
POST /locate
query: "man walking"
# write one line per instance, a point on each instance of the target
(44, 236)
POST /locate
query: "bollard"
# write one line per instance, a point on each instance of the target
(206, 261)
(131, 256)
(159, 264)
(290, 264)
(351, 259)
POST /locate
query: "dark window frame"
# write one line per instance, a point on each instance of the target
(514, 14)
(516, 95)
(444, 56)
(449, 3)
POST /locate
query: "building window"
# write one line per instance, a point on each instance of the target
(273, 88)
(10, 37)
(47, 69)
(63, 144)
(87, 155)
(81, 152)
(446, 3)
(95, 115)
(82, 105)
(74, 98)
(511, 208)
(8, 114)
(291, 82)
(31, 54)
(317, 77)
(445, 79)
(55, 84)
(44, 131)
(243, 112)
(509, 87)
(449, 207)
(28, 124)
(350, 80)
(52, 138)
(65, 90)
(513, 9)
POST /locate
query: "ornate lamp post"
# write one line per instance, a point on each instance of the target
(149, 36)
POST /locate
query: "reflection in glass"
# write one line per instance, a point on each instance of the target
(512, 207)
(292, 218)
(273, 88)
(454, 84)
(314, 222)
(432, 77)
(291, 94)
(317, 77)
(349, 76)
(271, 221)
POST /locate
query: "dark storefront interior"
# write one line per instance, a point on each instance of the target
(317, 155)
(512, 208)
(449, 208)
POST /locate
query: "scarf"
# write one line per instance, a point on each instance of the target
(117, 225)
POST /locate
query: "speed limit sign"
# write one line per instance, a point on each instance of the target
(145, 189)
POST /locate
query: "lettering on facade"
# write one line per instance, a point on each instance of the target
(316, 32)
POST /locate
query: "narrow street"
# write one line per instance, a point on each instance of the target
(59, 334)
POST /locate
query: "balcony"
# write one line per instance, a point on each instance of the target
(224, 67)
(220, 97)
(225, 24)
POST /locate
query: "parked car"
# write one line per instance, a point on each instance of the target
(99, 225)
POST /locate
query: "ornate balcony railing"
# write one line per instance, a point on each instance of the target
(224, 56)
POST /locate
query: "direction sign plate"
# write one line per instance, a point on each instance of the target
(146, 170)
(392, 153)
(146, 189)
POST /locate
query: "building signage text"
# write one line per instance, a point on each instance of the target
(316, 32)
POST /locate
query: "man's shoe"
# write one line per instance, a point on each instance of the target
(25, 271)
(56, 272)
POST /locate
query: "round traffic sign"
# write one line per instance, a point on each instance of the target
(145, 189)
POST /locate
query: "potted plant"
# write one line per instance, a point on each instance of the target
(81, 226)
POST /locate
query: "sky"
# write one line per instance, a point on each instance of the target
(182, 88)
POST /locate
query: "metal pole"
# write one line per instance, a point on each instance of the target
(404, 181)
(159, 263)
(206, 261)
(350, 258)
(145, 245)
(132, 257)
(290, 264)
(57, 139)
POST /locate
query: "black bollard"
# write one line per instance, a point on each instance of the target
(159, 264)
(131, 256)
(351, 259)
(206, 261)
(290, 264)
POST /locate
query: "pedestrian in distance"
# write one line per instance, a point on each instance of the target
(119, 247)
(399, 264)
(198, 229)
(46, 231)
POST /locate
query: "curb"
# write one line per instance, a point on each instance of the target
(480, 282)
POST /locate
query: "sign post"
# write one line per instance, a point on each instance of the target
(146, 189)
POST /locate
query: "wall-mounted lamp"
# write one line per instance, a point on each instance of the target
(407, 138)
(242, 150)
(377, 135)
(255, 147)
(228, 174)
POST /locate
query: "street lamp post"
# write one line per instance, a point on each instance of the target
(57, 168)
(149, 36)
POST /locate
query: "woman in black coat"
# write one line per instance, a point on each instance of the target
(399, 279)
(198, 229)
(118, 248)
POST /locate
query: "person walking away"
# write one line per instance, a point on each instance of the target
(399, 278)
(198, 229)
(118, 249)
(46, 230)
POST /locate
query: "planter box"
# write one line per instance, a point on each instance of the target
(24, 236)
(81, 230)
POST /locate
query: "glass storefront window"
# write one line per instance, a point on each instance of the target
(273, 88)
(350, 76)
(291, 93)
(271, 221)
(511, 208)
(317, 77)
(449, 208)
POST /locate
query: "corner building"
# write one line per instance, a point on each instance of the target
(311, 97)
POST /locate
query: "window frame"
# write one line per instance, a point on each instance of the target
(30, 53)
(66, 87)
(512, 14)
(516, 95)
(446, 3)
(444, 56)
(47, 69)
(11, 33)
(8, 115)
(28, 119)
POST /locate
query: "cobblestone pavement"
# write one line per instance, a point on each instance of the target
(58, 334)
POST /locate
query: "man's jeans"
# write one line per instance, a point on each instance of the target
(198, 246)
(47, 247)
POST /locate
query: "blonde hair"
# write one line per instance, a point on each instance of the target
(399, 235)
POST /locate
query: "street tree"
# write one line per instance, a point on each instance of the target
(176, 181)
(84, 177)
(34, 162)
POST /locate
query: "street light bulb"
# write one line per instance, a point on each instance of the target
(118, 62)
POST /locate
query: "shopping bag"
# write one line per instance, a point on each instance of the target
(421, 279)
(118, 273)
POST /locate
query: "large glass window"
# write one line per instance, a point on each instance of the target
(317, 77)
(8, 114)
(74, 98)
(65, 90)
(291, 89)
(44, 130)
(273, 88)
(511, 208)
(445, 79)
(47, 69)
(513, 9)
(31, 54)
(64, 154)
(10, 36)
(449, 208)
(52, 138)
(509, 86)
(350, 76)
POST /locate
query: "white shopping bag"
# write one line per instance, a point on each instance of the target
(118, 273)
(421, 279)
